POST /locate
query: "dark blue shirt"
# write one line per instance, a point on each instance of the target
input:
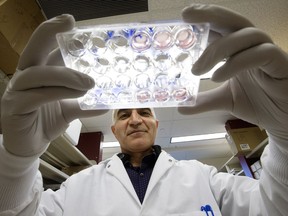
(140, 176)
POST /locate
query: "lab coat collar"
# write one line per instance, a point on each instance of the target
(163, 164)
(152, 158)
(116, 168)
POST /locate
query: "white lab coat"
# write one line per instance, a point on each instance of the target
(175, 188)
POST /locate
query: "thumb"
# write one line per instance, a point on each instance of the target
(43, 41)
(219, 98)
(39, 85)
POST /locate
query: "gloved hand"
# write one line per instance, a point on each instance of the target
(38, 103)
(255, 74)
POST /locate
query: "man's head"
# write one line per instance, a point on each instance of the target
(135, 129)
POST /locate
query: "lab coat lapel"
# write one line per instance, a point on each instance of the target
(115, 167)
(163, 164)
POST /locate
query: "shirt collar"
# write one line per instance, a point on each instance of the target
(148, 160)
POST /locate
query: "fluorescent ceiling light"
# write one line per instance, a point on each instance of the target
(177, 139)
(197, 137)
(110, 144)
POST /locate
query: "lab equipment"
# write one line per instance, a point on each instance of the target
(137, 64)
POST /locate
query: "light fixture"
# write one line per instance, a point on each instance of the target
(197, 137)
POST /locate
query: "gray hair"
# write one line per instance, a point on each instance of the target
(115, 112)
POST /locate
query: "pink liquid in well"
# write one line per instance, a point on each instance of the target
(143, 96)
(141, 41)
(161, 95)
(180, 94)
(163, 40)
(185, 38)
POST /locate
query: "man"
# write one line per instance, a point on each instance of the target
(143, 180)
(135, 130)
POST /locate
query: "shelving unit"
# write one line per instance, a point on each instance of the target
(61, 157)
(232, 166)
(240, 164)
(50, 172)
(257, 152)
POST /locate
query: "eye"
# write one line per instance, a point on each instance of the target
(123, 115)
(146, 113)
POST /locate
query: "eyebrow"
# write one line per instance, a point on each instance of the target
(148, 109)
(125, 110)
(122, 110)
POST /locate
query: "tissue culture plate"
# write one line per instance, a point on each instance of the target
(136, 65)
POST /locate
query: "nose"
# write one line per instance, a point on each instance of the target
(135, 118)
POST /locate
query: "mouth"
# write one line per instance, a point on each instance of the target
(135, 131)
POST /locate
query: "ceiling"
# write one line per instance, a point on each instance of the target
(83, 10)
(271, 16)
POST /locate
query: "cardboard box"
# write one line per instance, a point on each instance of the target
(18, 20)
(243, 137)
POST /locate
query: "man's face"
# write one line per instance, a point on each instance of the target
(135, 129)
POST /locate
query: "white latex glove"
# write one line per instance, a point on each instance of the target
(255, 89)
(33, 110)
(255, 74)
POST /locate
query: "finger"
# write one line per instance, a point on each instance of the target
(228, 46)
(55, 58)
(30, 100)
(43, 40)
(267, 57)
(213, 36)
(219, 98)
(221, 19)
(71, 110)
(50, 76)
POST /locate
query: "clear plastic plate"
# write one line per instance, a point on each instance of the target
(138, 64)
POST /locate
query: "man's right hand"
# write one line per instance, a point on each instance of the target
(39, 101)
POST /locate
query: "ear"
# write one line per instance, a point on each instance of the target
(113, 129)
(157, 123)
